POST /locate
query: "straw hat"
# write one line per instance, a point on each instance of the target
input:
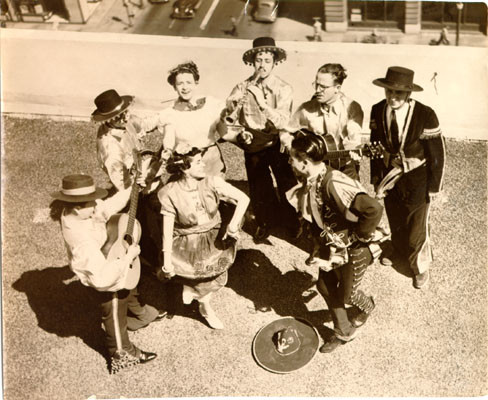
(79, 188)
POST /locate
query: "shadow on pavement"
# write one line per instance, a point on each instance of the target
(254, 277)
(63, 307)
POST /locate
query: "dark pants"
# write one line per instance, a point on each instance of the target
(409, 230)
(149, 216)
(265, 203)
(341, 286)
(127, 301)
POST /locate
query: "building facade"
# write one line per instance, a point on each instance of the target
(407, 16)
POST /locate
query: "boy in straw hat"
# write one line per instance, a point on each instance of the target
(261, 106)
(83, 225)
(410, 132)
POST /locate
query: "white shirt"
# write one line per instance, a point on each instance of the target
(84, 239)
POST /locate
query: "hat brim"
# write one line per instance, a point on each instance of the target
(394, 86)
(99, 193)
(266, 355)
(248, 56)
(99, 117)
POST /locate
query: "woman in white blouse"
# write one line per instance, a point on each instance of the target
(192, 119)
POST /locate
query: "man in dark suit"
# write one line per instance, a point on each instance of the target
(412, 170)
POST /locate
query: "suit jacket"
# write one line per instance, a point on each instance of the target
(421, 154)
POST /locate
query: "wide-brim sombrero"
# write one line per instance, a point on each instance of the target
(264, 44)
(400, 79)
(266, 354)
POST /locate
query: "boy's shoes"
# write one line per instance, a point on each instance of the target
(261, 233)
(420, 280)
(331, 344)
(146, 356)
(122, 359)
(362, 317)
(160, 316)
(337, 340)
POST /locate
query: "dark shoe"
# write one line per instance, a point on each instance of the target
(420, 280)
(121, 359)
(145, 357)
(348, 338)
(362, 317)
(333, 343)
(386, 261)
(160, 316)
(261, 233)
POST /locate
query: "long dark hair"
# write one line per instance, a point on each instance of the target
(309, 144)
(178, 163)
(186, 68)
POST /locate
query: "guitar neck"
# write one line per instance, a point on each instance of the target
(134, 198)
(335, 154)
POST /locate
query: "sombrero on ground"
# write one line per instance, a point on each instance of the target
(285, 345)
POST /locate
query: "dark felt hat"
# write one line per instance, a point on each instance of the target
(79, 188)
(285, 345)
(110, 104)
(264, 44)
(398, 78)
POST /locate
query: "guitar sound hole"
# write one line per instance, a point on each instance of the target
(128, 239)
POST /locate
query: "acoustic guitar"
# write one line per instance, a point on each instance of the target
(338, 158)
(123, 230)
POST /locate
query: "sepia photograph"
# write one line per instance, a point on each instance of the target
(244, 198)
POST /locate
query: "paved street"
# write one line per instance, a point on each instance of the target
(213, 19)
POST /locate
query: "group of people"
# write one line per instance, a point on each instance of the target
(190, 237)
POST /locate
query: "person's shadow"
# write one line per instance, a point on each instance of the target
(257, 279)
(63, 306)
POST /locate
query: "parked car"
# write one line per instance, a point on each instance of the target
(185, 9)
(266, 11)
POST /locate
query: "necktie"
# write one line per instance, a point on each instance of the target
(394, 132)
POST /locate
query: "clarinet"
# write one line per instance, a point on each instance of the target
(234, 115)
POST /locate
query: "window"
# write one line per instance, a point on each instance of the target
(435, 14)
(376, 13)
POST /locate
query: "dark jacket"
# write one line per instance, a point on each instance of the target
(421, 154)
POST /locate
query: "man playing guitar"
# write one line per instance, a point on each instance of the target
(332, 115)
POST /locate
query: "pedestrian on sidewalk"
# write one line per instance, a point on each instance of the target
(233, 29)
(413, 167)
(317, 30)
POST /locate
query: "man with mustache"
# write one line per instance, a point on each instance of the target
(260, 107)
(333, 115)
